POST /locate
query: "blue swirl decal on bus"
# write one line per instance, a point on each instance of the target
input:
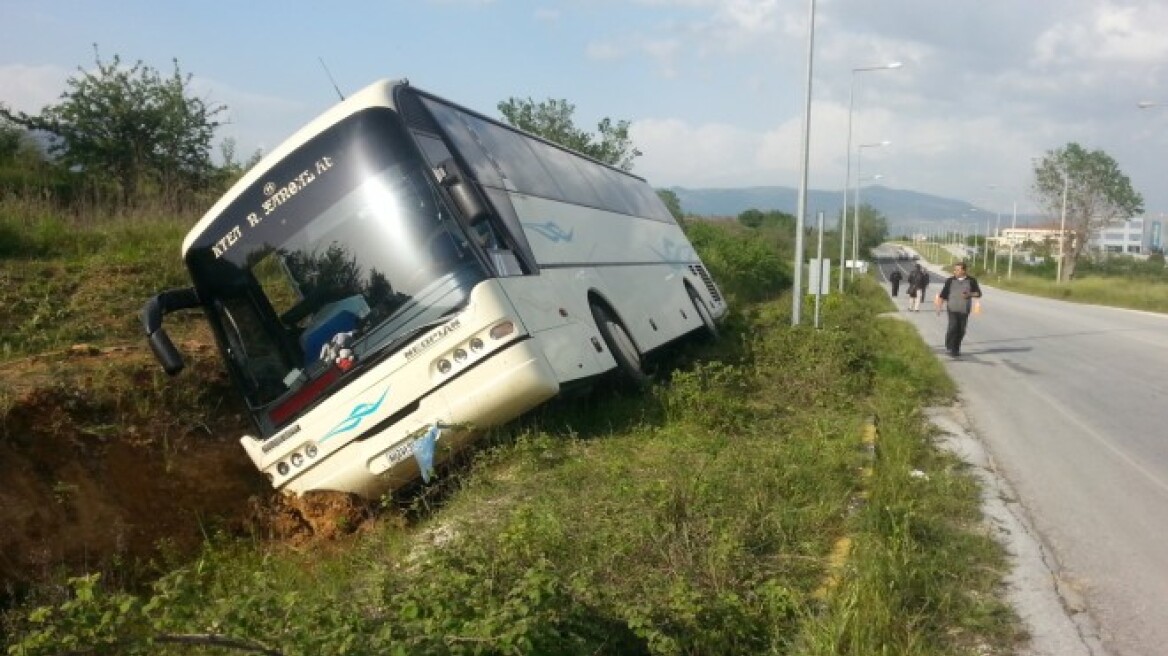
(677, 256)
(551, 231)
(356, 416)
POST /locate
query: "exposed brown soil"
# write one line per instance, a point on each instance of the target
(104, 460)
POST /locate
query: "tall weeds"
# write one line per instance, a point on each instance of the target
(698, 517)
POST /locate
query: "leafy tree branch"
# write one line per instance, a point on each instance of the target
(1098, 194)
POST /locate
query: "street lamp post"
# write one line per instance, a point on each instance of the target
(856, 209)
(1013, 236)
(797, 296)
(985, 260)
(997, 238)
(1058, 276)
(843, 222)
(997, 228)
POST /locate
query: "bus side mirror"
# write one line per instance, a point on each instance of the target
(152, 313)
(165, 352)
(468, 202)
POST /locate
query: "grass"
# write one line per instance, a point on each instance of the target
(733, 507)
(63, 283)
(699, 517)
(1150, 295)
(1119, 282)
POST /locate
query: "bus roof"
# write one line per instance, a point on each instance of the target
(377, 94)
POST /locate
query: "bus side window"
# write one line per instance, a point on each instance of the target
(484, 235)
(505, 262)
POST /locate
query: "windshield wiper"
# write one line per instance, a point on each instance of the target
(389, 348)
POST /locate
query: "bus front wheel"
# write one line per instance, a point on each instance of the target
(620, 345)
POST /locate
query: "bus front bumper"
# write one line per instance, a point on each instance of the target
(494, 392)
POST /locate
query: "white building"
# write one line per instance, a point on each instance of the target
(1018, 236)
(1134, 236)
(1127, 237)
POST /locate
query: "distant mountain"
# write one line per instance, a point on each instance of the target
(899, 206)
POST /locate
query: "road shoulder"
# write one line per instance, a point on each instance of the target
(1053, 612)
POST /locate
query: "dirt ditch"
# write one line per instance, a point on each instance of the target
(103, 461)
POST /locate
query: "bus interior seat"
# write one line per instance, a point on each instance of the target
(339, 317)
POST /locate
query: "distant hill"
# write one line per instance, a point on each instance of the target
(898, 205)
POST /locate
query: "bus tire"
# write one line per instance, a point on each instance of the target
(620, 345)
(709, 328)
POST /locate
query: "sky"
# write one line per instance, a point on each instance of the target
(715, 91)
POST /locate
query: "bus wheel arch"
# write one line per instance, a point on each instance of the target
(709, 326)
(620, 343)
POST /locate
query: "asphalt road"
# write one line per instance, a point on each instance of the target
(1070, 402)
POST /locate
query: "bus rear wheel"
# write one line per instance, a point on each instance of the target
(620, 345)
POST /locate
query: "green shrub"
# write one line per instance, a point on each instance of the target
(747, 268)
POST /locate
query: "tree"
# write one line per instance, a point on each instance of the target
(17, 146)
(754, 218)
(11, 137)
(1098, 194)
(873, 228)
(672, 202)
(552, 120)
(132, 126)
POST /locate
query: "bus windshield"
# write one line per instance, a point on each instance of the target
(329, 262)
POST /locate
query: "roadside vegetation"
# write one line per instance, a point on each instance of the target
(735, 506)
(1114, 280)
(776, 491)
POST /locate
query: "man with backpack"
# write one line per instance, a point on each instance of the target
(918, 282)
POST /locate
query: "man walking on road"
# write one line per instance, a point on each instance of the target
(895, 279)
(918, 282)
(958, 294)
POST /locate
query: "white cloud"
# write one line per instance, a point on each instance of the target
(678, 153)
(1132, 34)
(255, 121)
(545, 15)
(30, 88)
(1108, 33)
(605, 51)
(748, 16)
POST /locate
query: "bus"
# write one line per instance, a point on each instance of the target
(403, 273)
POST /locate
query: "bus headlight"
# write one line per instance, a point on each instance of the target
(297, 460)
(310, 450)
(282, 469)
(464, 354)
(502, 329)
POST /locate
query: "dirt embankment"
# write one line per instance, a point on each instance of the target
(104, 459)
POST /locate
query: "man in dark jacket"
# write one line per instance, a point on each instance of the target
(958, 294)
(918, 282)
(894, 279)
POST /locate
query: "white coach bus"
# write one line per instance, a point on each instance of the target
(404, 269)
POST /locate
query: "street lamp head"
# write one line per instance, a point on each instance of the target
(882, 67)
